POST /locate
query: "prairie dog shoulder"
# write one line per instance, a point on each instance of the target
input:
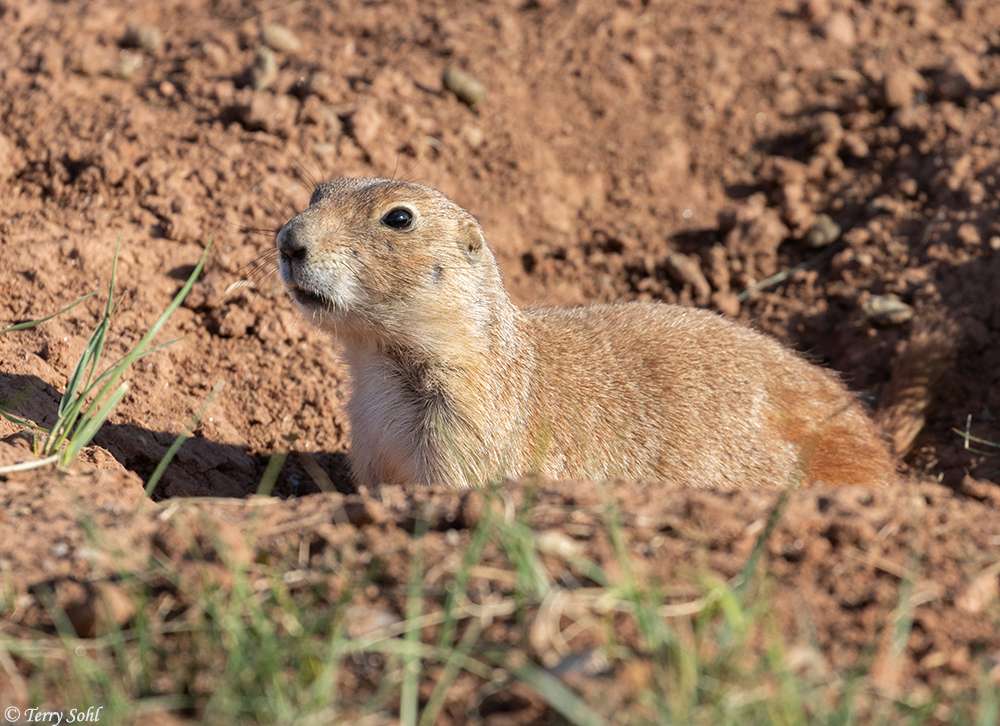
(453, 384)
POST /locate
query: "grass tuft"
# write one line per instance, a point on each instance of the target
(89, 398)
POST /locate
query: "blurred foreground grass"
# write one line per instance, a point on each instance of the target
(234, 633)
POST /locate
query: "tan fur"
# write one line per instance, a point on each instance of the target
(452, 384)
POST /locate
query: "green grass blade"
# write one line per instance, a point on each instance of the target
(116, 372)
(113, 372)
(92, 354)
(33, 323)
(179, 441)
(558, 696)
(111, 369)
(410, 693)
(82, 437)
(20, 421)
(989, 702)
(109, 311)
(759, 546)
(451, 668)
(461, 580)
(76, 391)
(277, 460)
(75, 394)
(15, 400)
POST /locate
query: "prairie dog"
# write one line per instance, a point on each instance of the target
(453, 384)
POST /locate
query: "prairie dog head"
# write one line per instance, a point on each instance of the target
(373, 260)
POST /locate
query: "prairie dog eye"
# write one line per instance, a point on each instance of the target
(398, 218)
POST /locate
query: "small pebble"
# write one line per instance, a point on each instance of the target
(474, 136)
(885, 310)
(823, 233)
(140, 35)
(466, 88)
(126, 66)
(264, 70)
(279, 39)
(687, 271)
(969, 234)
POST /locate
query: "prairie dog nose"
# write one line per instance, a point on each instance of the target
(293, 241)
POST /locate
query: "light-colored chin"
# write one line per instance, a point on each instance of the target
(345, 327)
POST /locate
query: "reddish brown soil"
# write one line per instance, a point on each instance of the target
(610, 137)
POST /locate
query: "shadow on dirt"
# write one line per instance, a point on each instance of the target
(200, 468)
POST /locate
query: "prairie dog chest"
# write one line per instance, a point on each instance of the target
(389, 417)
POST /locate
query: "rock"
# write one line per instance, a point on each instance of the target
(208, 292)
(264, 70)
(466, 88)
(759, 241)
(474, 136)
(231, 321)
(823, 233)
(127, 66)
(687, 271)
(279, 39)
(145, 37)
(886, 310)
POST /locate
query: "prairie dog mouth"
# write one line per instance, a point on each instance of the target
(308, 298)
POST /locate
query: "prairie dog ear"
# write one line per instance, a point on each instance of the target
(470, 237)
